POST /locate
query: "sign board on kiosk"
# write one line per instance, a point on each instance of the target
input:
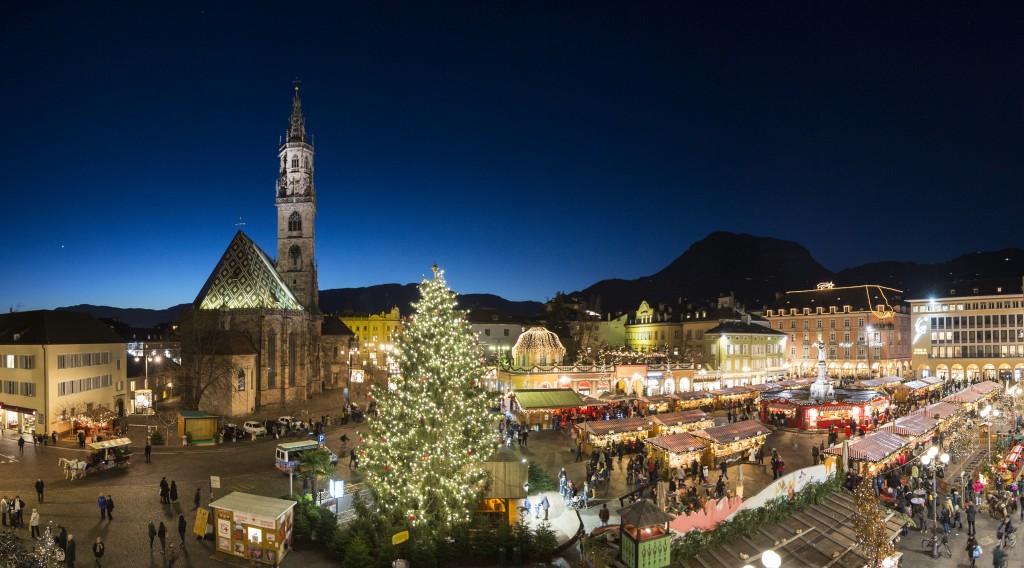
(202, 518)
(399, 538)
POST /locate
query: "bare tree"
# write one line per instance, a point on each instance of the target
(206, 364)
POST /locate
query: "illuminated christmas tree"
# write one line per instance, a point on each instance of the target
(435, 427)
(869, 525)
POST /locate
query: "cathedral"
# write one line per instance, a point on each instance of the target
(265, 312)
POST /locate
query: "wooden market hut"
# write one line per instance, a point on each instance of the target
(942, 411)
(875, 450)
(805, 413)
(910, 391)
(735, 394)
(598, 433)
(660, 403)
(795, 383)
(731, 441)
(879, 383)
(704, 400)
(967, 398)
(987, 388)
(682, 421)
(505, 491)
(198, 426)
(536, 408)
(816, 536)
(678, 450)
(646, 541)
(916, 427)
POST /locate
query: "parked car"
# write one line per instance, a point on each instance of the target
(232, 432)
(286, 420)
(256, 428)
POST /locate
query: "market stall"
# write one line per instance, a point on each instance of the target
(796, 408)
(874, 451)
(541, 408)
(917, 427)
(597, 434)
(795, 383)
(253, 527)
(682, 421)
(1010, 465)
(678, 450)
(660, 403)
(942, 411)
(879, 383)
(732, 441)
(704, 400)
(198, 427)
(910, 391)
(968, 399)
(732, 397)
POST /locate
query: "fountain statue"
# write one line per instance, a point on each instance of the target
(822, 389)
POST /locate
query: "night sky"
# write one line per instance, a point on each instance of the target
(526, 147)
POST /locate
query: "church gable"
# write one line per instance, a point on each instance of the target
(245, 278)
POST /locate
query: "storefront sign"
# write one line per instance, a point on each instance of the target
(250, 519)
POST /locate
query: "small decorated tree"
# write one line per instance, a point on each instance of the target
(422, 457)
(869, 525)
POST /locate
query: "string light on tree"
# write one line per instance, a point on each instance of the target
(434, 429)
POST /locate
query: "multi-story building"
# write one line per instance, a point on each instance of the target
(744, 352)
(678, 332)
(374, 343)
(496, 332)
(865, 328)
(970, 330)
(56, 366)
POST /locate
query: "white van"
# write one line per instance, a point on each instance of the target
(257, 428)
(287, 455)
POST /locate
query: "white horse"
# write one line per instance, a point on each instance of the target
(72, 468)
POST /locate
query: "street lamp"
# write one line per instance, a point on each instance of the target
(984, 414)
(771, 559)
(925, 460)
(155, 358)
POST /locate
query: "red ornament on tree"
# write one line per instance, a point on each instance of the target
(412, 517)
(387, 468)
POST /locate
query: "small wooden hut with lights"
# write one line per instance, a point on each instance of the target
(646, 542)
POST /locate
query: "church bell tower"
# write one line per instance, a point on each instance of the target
(296, 212)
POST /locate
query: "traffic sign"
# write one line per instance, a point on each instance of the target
(322, 438)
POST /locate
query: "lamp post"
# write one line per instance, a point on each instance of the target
(988, 410)
(925, 460)
(155, 358)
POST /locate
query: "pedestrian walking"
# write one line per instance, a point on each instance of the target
(174, 492)
(39, 489)
(152, 534)
(102, 501)
(181, 529)
(172, 557)
(16, 512)
(165, 491)
(724, 467)
(21, 444)
(973, 550)
(33, 523)
(604, 514)
(161, 533)
(62, 539)
(198, 497)
(97, 550)
(545, 505)
(21, 511)
(69, 552)
(53, 437)
(972, 515)
(110, 507)
(5, 509)
(148, 451)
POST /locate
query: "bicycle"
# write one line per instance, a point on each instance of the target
(1009, 540)
(929, 545)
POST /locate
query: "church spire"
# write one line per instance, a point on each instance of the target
(296, 125)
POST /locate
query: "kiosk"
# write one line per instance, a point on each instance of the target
(254, 527)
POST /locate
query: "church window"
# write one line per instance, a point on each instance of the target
(271, 360)
(295, 162)
(241, 379)
(295, 221)
(305, 162)
(295, 256)
(292, 349)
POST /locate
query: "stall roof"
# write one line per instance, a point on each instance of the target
(932, 381)
(986, 387)
(679, 418)
(660, 399)
(874, 447)
(678, 443)
(802, 397)
(820, 535)
(942, 410)
(115, 443)
(733, 391)
(764, 387)
(729, 432)
(879, 382)
(530, 399)
(913, 385)
(644, 513)
(693, 395)
(795, 383)
(966, 395)
(602, 427)
(913, 425)
(195, 414)
(591, 401)
(610, 396)
(258, 505)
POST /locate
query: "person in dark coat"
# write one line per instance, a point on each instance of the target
(110, 508)
(165, 492)
(162, 534)
(149, 451)
(198, 497)
(69, 552)
(62, 539)
(174, 492)
(181, 528)
(152, 534)
(97, 550)
(39, 489)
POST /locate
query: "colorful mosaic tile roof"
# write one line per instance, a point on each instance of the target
(245, 278)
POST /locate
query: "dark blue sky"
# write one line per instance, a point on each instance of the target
(526, 147)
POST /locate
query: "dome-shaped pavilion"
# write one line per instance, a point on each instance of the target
(536, 347)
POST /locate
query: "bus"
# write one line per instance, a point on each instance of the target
(287, 455)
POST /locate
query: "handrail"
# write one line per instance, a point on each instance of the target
(573, 539)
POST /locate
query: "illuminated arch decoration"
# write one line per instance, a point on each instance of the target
(887, 312)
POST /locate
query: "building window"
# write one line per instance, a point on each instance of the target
(292, 358)
(295, 162)
(295, 221)
(28, 389)
(241, 379)
(295, 256)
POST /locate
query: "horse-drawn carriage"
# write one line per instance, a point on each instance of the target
(103, 455)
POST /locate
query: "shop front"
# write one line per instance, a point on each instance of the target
(682, 421)
(19, 419)
(731, 442)
(796, 409)
(539, 409)
(873, 452)
(677, 451)
(254, 527)
(703, 400)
